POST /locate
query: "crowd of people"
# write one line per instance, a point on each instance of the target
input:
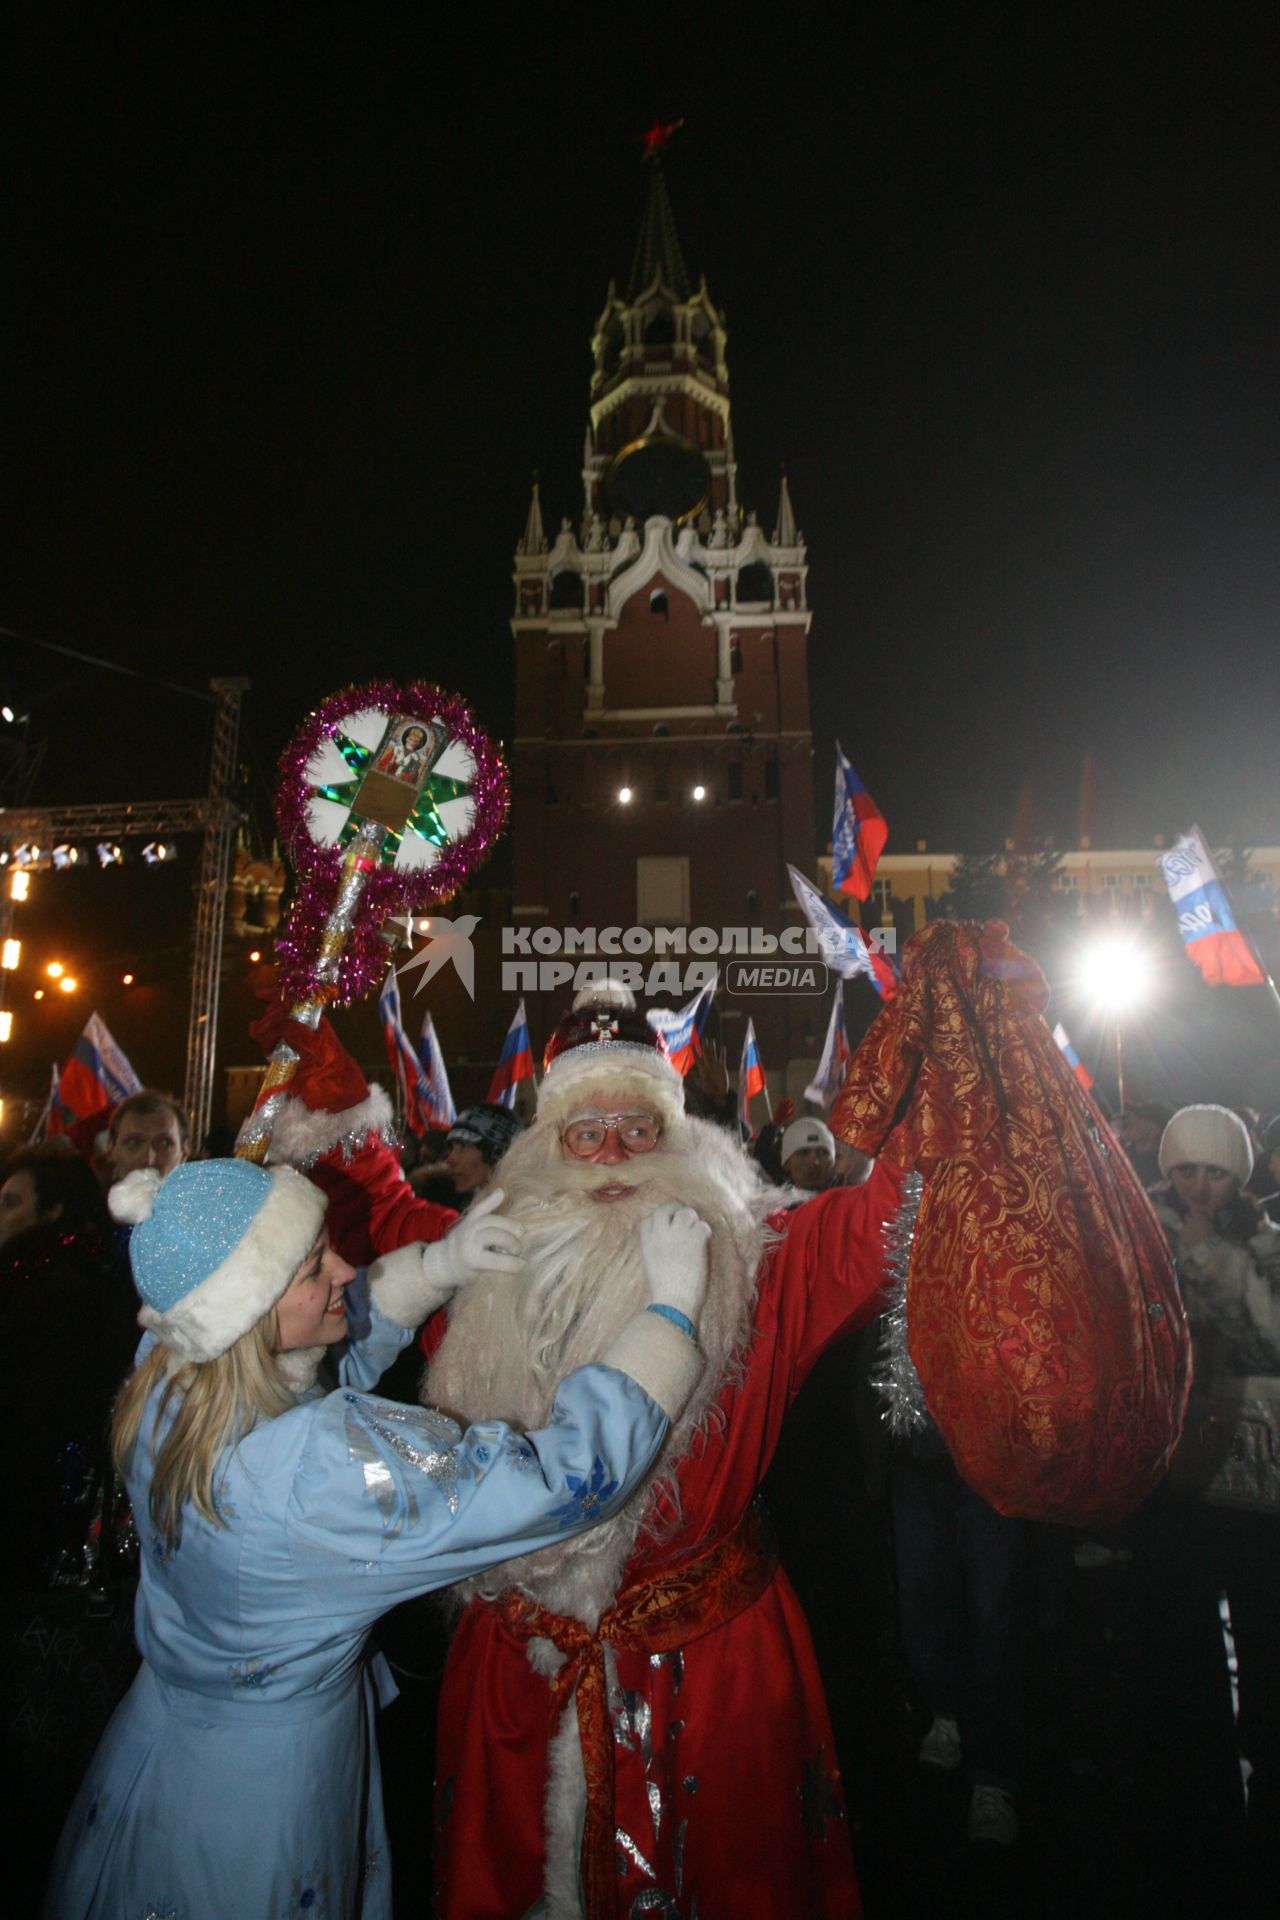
(545, 1369)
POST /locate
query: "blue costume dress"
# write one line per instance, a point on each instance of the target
(239, 1776)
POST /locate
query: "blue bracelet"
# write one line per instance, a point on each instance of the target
(677, 1319)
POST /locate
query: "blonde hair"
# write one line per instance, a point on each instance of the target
(219, 1402)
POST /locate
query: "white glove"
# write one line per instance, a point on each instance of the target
(477, 1244)
(409, 1284)
(673, 1247)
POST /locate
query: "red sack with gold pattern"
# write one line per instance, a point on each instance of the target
(1043, 1315)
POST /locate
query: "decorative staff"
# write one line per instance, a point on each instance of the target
(389, 795)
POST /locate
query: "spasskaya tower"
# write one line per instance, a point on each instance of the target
(661, 759)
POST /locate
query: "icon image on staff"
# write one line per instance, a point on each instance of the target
(409, 753)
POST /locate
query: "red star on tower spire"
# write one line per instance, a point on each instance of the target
(655, 138)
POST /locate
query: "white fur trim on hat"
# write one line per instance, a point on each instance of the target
(234, 1297)
(643, 1071)
(1207, 1136)
(301, 1134)
(806, 1132)
(132, 1200)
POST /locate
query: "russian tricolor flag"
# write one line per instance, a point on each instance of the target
(682, 1029)
(515, 1062)
(439, 1092)
(845, 948)
(1071, 1057)
(1205, 920)
(836, 1055)
(751, 1080)
(858, 833)
(97, 1077)
(405, 1064)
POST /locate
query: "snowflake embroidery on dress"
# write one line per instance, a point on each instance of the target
(422, 1439)
(588, 1496)
(254, 1673)
(306, 1901)
(520, 1454)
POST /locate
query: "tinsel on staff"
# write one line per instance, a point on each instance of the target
(388, 796)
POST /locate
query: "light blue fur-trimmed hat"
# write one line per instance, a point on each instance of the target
(214, 1245)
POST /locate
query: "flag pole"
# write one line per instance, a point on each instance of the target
(1252, 945)
(1119, 1069)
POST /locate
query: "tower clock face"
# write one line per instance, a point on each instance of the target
(659, 473)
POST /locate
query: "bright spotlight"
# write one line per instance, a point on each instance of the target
(109, 854)
(67, 984)
(6, 1023)
(55, 969)
(65, 857)
(19, 884)
(624, 795)
(11, 954)
(1115, 973)
(157, 851)
(699, 793)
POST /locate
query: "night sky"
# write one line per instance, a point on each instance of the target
(297, 301)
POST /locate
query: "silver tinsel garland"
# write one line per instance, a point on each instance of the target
(895, 1378)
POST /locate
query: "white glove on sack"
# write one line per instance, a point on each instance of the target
(409, 1284)
(674, 1244)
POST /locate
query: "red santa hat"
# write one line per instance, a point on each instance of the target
(605, 1042)
(330, 1104)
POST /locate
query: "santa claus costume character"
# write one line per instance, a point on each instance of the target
(240, 1774)
(641, 1726)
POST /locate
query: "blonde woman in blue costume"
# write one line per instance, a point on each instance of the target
(278, 1523)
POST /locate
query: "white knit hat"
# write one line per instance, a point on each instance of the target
(214, 1245)
(806, 1132)
(1207, 1136)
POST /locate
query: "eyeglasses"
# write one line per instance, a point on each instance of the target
(637, 1133)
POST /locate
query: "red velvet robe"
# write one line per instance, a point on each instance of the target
(727, 1786)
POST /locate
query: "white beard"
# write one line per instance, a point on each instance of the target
(513, 1337)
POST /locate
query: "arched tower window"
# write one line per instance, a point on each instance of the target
(756, 583)
(659, 327)
(566, 590)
